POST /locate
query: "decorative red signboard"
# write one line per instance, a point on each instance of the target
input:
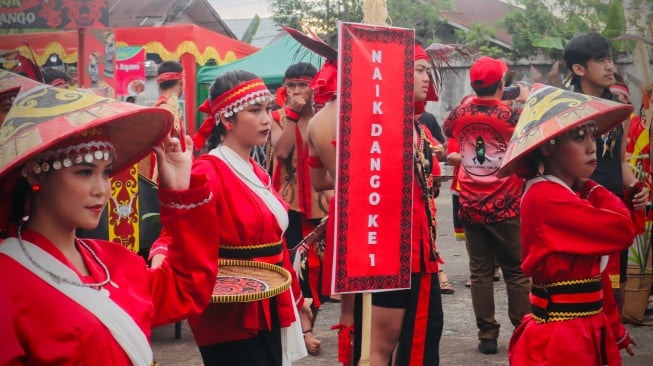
(375, 158)
(56, 14)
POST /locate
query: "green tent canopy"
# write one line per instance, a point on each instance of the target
(270, 63)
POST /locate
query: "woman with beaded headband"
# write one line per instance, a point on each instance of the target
(252, 217)
(68, 300)
(574, 318)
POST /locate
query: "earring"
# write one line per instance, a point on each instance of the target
(228, 126)
(36, 187)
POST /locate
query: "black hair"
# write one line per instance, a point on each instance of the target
(21, 193)
(531, 164)
(300, 69)
(221, 85)
(488, 90)
(585, 47)
(169, 66)
(50, 74)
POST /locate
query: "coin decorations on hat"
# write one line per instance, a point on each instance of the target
(64, 157)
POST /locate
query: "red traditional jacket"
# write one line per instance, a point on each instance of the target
(39, 325)
(243, 220)
(564, 237)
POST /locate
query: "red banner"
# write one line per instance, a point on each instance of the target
(130, 70)
(375, 158)
(56, 14)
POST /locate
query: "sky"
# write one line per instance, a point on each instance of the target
(242, 9)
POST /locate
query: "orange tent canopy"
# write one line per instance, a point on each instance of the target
(172, 41)
(63, 43)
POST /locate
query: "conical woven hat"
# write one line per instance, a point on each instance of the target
(11, 82)
(549, 112)
(43, 116)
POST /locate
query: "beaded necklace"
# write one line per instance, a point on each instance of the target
(59, 279)
(423, 168)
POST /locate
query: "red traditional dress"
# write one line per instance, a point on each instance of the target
(39, 325)
(248, 229)
(573, 319)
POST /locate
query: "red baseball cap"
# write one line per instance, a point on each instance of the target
(486, 71)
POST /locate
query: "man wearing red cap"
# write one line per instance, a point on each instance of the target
(489, 206)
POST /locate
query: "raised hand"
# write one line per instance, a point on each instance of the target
(174, 163)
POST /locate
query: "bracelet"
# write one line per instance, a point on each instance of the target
(305, 332)
(181, 206)
(291, 115)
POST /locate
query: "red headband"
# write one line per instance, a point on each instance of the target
(167, 76)
(420, 54)
(306, 79)
(58, 82)
(620, 89)
(228, 104)
(432, 95)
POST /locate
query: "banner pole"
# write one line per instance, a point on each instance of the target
(374, 12)
(366, 331)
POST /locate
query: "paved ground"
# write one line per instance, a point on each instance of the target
(458, 344)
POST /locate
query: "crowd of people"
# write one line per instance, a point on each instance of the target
(70, 300)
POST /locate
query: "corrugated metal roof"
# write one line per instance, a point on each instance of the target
(141, 13)
(468, 12)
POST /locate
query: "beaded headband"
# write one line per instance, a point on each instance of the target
(87, 147)
(228, 104)
(239, 97)
(167, 76)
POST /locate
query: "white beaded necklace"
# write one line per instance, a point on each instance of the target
(59, 279)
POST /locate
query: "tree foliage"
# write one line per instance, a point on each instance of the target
(479, 37)
(424, 16)
(538, 26)
(321, 15)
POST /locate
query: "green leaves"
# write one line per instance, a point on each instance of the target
(555, 43)
(640, 251)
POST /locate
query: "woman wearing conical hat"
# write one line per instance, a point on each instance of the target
(570, 224)
(68, 300)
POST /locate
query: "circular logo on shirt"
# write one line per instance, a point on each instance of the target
(482, 149)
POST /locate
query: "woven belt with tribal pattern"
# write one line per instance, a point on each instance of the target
(566, 300)
(271, 251)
